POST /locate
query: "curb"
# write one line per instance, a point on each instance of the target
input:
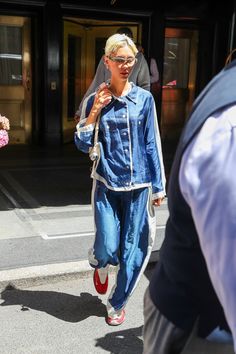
(38, 275)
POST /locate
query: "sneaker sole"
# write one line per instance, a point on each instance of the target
(116, 322)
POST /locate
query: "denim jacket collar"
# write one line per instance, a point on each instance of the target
(132, 95)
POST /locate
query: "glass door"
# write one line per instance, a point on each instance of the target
(73, 75)
(84, 42)
(179, 77)
(15, 76)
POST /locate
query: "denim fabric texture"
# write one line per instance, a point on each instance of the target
(124, 232)
(130, 146)
(127, 175)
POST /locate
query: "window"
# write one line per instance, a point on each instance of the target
(176, 63)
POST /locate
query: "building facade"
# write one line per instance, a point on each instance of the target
(49, 52)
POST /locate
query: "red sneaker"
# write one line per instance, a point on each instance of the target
(100, 280)
(116, 319)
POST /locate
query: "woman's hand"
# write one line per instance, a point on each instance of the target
(4, 123)
(102, 98)
(158, 201)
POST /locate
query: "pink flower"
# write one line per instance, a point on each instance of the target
(4, 138)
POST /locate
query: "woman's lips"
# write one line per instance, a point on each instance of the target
(125, 73)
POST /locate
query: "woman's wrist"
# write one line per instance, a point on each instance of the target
(92, 118)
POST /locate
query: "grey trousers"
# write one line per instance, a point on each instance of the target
(160, 336)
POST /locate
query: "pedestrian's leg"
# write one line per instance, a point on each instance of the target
(107, 227)
(160, 336)
(136, 241)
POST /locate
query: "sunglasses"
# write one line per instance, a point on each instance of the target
(122, 60)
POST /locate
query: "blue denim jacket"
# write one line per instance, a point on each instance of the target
(130, 147)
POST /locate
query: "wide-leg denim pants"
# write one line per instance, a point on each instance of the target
(125, 227)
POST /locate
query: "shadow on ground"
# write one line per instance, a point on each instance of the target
(63, 306)
(127, 341)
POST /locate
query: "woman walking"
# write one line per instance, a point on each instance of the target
(128, 175)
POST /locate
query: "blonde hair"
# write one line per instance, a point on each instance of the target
(117, 41)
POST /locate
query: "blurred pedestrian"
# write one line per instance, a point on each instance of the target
(128, 175)
(154, 78)
(194, 280)
(155, 85)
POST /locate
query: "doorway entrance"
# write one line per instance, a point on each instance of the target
(179, 81)
(84, 43)
(15, 76)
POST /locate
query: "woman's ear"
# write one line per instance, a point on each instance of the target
(106, 61)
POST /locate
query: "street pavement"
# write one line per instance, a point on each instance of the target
(48, 303)
(67, 316)
(46, 223)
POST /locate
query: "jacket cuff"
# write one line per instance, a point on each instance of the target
(86, 128)
(158, 195)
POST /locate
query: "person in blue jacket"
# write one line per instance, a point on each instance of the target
(128, 175)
